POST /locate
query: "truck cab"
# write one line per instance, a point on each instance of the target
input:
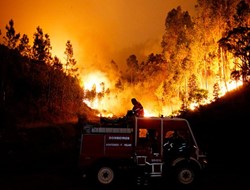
(148, 147)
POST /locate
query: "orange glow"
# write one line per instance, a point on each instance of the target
(114, 99)
(149, 114)
(96, 78)
(143, 133)
(112, 104)
(230, 86)
(100, 82)
(101, 31)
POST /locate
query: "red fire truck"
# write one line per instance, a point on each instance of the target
(148, 147)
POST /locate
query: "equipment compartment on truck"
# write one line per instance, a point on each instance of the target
(148, 147)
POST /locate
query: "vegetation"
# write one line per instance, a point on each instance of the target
(36, 88)
(221, 130)
(212, 48)
(194, 66)
(199, 56)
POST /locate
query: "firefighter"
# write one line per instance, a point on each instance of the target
(137, 109)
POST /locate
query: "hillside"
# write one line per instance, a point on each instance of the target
(222, 129)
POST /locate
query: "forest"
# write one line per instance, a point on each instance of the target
(201, 56)
(42, 98)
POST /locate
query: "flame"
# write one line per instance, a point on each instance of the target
(98, 81)
(231, 85)
(96, 78)
(193, 105)
(113, 101)
(147, 113)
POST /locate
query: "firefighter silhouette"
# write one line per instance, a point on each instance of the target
(137, 109)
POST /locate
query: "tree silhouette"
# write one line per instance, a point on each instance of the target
(11, 37)
(70, 65)
(237, 42)
(24, 48)
(192, 87)
(41, 47)
(242, 14)
(132, 64)
(216, 91)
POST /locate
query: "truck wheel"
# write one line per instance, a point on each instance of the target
(105, 175)
(185, 175)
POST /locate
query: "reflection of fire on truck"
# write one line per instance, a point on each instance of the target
(149, 147)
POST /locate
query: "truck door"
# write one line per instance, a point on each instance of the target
(148, 135)
(148, 143)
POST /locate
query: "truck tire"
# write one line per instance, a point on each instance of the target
(105, 175)
(185, 175)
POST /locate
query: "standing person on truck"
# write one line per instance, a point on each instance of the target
(137, 109)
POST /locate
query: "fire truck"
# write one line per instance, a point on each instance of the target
(147, 147)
